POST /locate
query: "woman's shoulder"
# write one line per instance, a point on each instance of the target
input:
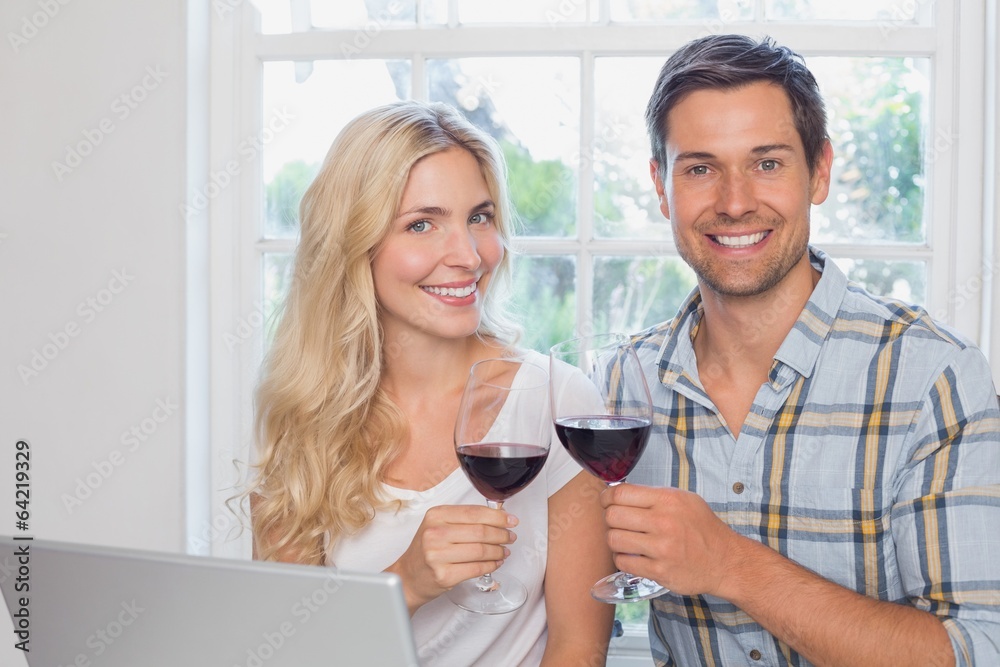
(531, 356)
(561, 371)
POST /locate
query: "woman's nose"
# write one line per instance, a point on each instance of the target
(462, 249)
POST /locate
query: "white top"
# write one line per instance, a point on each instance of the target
(445, 634)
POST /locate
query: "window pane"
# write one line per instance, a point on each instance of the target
(625, 203)
(633, 617)
(435, 11)
(906, 281)
(544, 299)
(888, 13)
(317, 99)
(277, 279)
(877, 119)
(540, 139)
(525, 11)
(713, 11)
(632, 293)
(275, 15)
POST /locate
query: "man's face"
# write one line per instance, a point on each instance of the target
(737, 189)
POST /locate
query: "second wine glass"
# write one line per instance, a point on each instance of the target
(502, 438)
(608, 440)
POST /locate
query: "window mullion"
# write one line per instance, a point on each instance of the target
(585, 195)
(604, 12)
(418, 81)
(989, 331)
(960, 153)
(642, 39)
(234, 213)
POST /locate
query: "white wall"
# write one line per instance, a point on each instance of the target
(108, 231)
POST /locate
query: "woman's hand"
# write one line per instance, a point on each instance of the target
(452, 544)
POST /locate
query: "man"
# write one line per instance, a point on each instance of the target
(824, 474)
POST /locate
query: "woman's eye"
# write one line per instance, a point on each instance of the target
(418, 226)
(480, 218)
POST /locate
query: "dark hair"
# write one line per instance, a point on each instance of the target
(722, 62)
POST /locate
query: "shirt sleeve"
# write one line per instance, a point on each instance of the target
(946, 515)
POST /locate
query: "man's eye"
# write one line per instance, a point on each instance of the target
(700, 170)
(768, 165)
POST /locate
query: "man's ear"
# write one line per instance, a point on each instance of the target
(820, 180)
(654, 173)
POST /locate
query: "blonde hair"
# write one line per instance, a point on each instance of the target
(325, 429)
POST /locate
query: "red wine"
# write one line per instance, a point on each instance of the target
(500, 471)
(607, 446)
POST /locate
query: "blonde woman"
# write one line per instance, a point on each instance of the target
(404, 248)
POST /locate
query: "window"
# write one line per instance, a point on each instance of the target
(562, 84)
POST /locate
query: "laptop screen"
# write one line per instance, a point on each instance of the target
(86, 605)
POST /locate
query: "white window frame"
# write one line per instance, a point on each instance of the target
(961, 195)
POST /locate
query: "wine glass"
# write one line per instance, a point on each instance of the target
(608, 437)
(502, 438)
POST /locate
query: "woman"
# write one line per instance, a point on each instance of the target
(404, 247)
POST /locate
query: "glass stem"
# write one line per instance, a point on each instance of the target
(486, 583)
(627, 583)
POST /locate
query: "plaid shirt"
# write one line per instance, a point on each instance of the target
(871, 456)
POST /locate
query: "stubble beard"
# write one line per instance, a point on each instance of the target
(756, 276)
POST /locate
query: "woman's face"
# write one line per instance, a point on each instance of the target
(435, 264)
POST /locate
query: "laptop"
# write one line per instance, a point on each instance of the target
(92, 606)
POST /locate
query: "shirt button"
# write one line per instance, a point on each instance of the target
(755, 654)
(738, 488)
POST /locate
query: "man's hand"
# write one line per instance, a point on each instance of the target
(669, 536)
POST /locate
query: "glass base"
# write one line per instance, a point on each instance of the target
(504, 596)
(620, 587)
